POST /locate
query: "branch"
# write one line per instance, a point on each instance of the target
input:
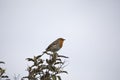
(63, 56)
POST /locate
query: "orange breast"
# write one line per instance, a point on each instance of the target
(61, 43)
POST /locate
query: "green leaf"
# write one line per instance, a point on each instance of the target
(63, 56)
(1, 62)
(58, 60)
(38, 56)
(59, 78)
(53, 77)
(58, 63)
(52, 68)
(64, 72)
(30, 59)
(47, 61)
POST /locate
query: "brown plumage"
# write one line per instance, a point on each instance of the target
(55, 46)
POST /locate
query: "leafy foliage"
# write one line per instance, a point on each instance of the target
(2, 71)
(46, 69)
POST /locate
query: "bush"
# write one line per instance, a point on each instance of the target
(47, 68)
(2, 71)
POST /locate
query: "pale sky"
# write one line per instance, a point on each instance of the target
(91, 29)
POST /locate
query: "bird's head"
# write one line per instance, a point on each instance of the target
(62, 39)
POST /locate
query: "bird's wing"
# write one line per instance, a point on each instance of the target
(52, 45)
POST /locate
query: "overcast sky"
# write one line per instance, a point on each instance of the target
(91, 29)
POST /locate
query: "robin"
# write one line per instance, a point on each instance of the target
(55, 46)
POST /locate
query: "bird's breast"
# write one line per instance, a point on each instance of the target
(60, 43)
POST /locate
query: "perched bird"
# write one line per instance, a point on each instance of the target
(55, 46)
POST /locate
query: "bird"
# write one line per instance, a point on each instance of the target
(55, 45)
